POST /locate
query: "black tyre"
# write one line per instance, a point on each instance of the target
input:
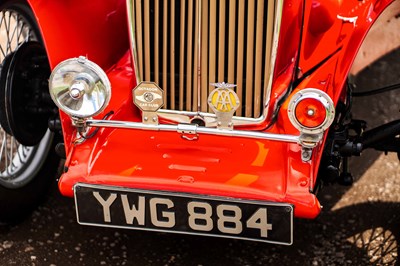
(26, 172)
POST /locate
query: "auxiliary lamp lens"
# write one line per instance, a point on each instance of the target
(310, 112)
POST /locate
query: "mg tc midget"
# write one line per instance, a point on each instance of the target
(218, 118)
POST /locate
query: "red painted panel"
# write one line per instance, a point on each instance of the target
(95, 29)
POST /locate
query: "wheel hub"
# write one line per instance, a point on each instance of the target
(24, 106)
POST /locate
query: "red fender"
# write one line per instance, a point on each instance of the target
(334, 31)
(336, 26)
(74, 28)
(97, 30)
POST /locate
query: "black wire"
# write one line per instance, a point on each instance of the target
(377, 91)
(349, 103)
(97, 129)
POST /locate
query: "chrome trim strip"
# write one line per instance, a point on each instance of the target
(131, 25)
(236, 120)
(277, 29)
(196, 129)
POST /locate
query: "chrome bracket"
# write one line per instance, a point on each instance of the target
(150, 118)
(308, 142)
(79, 124)
(81, 129)
(188, 131)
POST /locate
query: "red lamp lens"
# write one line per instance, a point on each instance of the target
(310, 113)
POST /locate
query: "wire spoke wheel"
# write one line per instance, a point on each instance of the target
(28, 164)
(15, 158)
(12, 156)
(14, 30)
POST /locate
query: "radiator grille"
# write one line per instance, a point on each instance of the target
(186, 45)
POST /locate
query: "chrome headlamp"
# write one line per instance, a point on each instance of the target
(80, 88)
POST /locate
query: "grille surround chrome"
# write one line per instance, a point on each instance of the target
(210, 119)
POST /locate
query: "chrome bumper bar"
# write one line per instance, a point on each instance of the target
(192, 130)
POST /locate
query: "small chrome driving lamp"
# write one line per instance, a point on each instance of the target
(80, 88)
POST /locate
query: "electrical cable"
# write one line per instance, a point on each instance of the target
(376, 91)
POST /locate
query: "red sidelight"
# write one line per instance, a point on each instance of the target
(310, 112)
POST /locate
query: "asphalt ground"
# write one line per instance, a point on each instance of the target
(359, 225)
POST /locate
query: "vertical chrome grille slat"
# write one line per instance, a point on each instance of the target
(172, 57)
(197, 55)
(232, 41)
(268, 46)
(240, 55)
(221, 46)
(165, 55)
(189, 69)
(157, 41)
(147, 59)
(212, 43)
(138, 14)
(249, 58)
(182, 54)
(186, 45)
(204, 57)
(259, 51)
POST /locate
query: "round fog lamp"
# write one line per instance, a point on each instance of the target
(80, 87)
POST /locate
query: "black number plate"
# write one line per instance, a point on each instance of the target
(184, 213)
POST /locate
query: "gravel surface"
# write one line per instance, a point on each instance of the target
(359, 225)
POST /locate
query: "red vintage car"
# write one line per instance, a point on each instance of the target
(219, 118)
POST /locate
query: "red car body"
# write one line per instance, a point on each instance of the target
(318, 41)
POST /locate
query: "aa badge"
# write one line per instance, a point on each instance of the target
(224, 102)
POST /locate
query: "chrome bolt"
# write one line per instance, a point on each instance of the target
(81, 59)
(75, 93)
(306, 154)
(77, 90)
